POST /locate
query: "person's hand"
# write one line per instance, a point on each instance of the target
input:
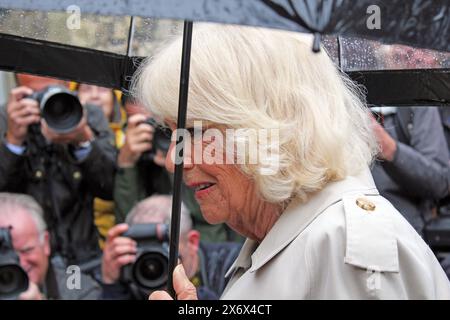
(118, 252)
(21, 112)
(32, 293)
(80, 134)
(160, 158)
(387, 144)
(184, 289)
(138, 139)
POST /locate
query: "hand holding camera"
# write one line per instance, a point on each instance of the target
(22, 112)
(138, 139)
(62, 117)
(33, 293)
(137, 256)
(118, 252)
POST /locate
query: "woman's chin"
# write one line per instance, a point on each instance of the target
(212, 216)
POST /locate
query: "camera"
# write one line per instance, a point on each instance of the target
(149, 272)
(13, 279)
(161, 140)
(60, 108)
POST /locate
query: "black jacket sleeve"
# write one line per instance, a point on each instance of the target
(12, 170)
(12, 166)
(422, 167)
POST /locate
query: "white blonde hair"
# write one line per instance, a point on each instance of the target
(246, 77)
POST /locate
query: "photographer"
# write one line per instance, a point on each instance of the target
(411, 170)
(62, 171)
(138, 178)
(47, 278)
(204, 264)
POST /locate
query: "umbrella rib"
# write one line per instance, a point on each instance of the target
(179, 163)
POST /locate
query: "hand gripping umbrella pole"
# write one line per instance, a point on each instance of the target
(179, 151)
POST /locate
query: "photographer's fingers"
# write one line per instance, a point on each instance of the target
(116, 231)
(140, 142)
(145, 127)
(24, 108)
(125, 249)
(134, 120)
(27, 120)
(125, 259)
(32, 293)
(26, 114)
(20, 92)
(143, 137)
(139, 148)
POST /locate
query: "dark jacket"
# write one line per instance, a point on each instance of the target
(215, 260)
(60, 283)
(416, 178)
(63, 186)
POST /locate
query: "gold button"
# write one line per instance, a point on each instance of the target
(38, 174)
(77, 175)
(365, 204)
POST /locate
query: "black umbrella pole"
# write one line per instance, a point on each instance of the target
(179, 161)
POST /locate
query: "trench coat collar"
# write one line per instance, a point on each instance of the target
(297, 218)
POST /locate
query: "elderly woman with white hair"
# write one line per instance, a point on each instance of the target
(316, 226)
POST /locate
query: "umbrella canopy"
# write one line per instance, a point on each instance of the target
(402, 21)
(35, 37)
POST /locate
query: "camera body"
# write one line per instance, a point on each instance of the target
(13, 279)
(60, 108)
(161, 140)
(149, 272)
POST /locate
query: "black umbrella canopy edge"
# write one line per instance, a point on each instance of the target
(45, 58)
(419, 23)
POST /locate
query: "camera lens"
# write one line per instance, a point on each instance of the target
(12, 281)
(150, 270)
(62, 112)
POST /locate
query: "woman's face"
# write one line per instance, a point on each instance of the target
(223, 192)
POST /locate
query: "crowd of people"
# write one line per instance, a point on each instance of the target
(69, 198)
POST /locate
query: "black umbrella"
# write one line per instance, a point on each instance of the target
(421, 23)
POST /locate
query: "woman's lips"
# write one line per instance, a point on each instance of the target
(202, 189)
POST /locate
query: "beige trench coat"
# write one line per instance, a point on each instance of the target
(346, 242)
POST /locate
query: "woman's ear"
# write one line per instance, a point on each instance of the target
(193, 238)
